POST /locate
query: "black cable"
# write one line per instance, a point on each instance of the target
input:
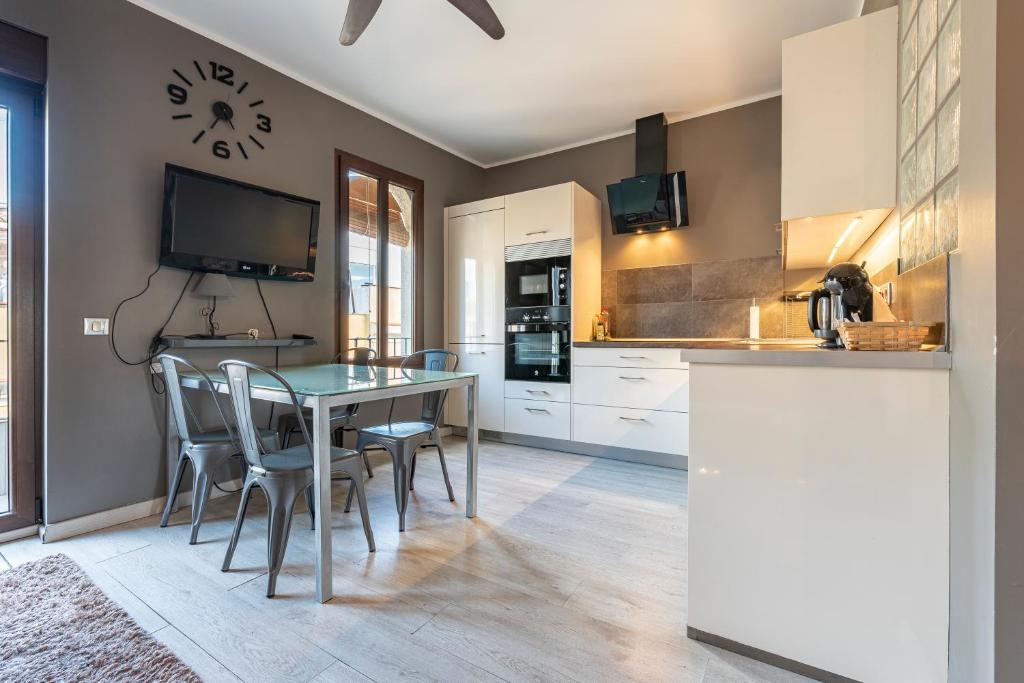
(113, 320)
(277, 349)
(266, 310)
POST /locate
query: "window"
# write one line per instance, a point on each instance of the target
(379, 258)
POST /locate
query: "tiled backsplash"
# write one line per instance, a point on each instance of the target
(709, 299)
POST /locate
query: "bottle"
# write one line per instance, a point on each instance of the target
(606, 323)
(594, 324)
(755, 320)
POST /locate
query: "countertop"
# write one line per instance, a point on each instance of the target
(798, 352)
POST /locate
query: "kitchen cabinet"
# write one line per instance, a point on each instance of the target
(637, 398)
(839, 118)
(546, 419)
(475, 276)
(539, 215)
(538, 391)
(488, 361)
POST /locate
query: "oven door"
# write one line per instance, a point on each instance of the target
(537, 282)
(537, 352)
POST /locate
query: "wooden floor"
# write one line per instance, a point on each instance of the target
(575, 570)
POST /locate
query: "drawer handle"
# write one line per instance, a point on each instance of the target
(632, 378)
(476, 353)
(537, 410)
(537, 391)
(632, 419)
(633, 357)
(537, 232)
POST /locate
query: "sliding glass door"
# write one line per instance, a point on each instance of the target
(21, 209)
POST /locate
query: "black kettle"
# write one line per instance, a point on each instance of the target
(847, 295)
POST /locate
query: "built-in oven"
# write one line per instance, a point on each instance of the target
(537, 282)
(537, 344)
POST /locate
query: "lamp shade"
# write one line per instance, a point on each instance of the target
(214, 284)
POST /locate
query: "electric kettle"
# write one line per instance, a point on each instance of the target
(846, 295)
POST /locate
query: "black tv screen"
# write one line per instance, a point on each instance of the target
(216, 225)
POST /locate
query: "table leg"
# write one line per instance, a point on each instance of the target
(171, 447)
(322, 498)
(472, 444)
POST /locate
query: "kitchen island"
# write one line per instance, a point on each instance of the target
(818, 505)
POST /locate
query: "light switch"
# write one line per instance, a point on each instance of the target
(97, 326)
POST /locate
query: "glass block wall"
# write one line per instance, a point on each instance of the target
(929, 128)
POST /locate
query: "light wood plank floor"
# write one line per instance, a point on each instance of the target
(575, 570)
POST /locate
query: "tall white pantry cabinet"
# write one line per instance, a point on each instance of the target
(475, 237)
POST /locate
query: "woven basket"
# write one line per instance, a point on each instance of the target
(896, 336)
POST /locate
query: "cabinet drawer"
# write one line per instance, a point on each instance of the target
(537, 391)
(539, 215)
(620, 357)
(488, 361)
(645, 430)
(654, 389)
(537, 418)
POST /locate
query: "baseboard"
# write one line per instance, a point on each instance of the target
(15, 534)
(767, 657)
(129, 513)
(675, 462)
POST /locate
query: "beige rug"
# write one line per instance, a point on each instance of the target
(57, 625)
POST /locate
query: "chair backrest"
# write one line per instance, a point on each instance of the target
(180, 407)
(357, 355)
(236, 373)
(432, 359)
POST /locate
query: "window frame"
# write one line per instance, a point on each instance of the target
(345, 162)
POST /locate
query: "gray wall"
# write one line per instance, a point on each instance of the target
(733, 164)
(110, 134)
(972, 420)
(1009, 511)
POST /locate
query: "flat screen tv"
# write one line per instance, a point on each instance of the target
(217, 225)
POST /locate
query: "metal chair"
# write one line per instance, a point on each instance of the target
(206, 450)
(403, 439)
(341, 418)
(284, 474)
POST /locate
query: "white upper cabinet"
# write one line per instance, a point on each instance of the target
(839, 118)
(476, 277)
(539, 215)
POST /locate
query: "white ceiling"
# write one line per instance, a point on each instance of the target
(567, 71)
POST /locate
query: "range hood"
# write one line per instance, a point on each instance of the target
(652, 200)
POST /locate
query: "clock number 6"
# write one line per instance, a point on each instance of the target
(178, 94)
(264, 123)
(221, 149)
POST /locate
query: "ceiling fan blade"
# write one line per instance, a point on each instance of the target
(357, 18)
(481, 14)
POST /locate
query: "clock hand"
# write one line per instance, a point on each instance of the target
(214, 122)
(230, 123)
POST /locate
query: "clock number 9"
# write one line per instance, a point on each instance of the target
(264, 123)
(178, 94)
(221, 150)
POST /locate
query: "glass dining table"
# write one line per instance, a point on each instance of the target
(323, 387)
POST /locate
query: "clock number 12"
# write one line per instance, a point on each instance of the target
(224, 74)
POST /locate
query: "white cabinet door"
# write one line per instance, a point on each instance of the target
(476, 278)
(538, 418)
(488, 361)
(644, 430)
(657, 389)
(539, 215)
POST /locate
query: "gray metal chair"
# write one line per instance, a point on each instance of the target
(341, 418)
(403, 439)
(206, 450)
(284, 474)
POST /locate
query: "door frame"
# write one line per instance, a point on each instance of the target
(22, 76)
(343, 163)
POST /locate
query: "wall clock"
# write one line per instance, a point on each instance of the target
(219, 108)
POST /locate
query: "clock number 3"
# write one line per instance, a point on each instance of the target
(224, 74)
(264, 123)
(221, 150)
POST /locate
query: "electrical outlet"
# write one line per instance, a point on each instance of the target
(96, 326)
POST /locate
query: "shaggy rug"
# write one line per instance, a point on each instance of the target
(57, 625)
